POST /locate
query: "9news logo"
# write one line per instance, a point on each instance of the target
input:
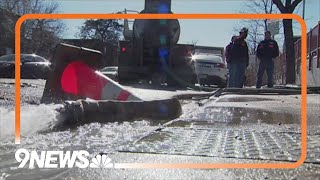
(61, 159)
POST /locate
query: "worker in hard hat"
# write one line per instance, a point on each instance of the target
(238, 60)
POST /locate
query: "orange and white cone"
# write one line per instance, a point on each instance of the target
(79, 79)
(74, 77)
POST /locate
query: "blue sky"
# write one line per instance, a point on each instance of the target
(204, 32)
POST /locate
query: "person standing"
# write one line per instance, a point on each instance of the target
(238, 60)
(267, 50)
(228, 48)
(227, 55)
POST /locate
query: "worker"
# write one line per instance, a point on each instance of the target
(238, 60)
(227, 54)
(228, 48)
(267, 50)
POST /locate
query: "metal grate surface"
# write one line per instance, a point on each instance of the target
(279, 146)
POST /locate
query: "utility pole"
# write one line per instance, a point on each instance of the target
(303, 8)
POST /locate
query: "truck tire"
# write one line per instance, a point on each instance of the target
(124, 79)
(172, 83)
(222, 85)
(158, 79)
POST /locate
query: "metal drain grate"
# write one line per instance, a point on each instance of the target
(282, 146)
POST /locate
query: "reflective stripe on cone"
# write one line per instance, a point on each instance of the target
(113, 91)
(79, 79)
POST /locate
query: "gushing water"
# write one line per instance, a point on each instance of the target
(36, 134)
(32, 120)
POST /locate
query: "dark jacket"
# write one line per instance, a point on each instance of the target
(227, 52)
(239, 51)
(267, 50)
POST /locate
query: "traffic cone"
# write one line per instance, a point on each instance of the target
(79, 79)
(73, 76)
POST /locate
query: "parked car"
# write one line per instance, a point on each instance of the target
(31, 66)
(210, 69)
(111, 72)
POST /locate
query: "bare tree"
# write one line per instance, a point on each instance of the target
(9, 5)
(256, 26)
(288, 7)
(41, 35)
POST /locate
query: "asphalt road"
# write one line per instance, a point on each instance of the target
(31, 92)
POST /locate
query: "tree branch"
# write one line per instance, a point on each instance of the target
(294, 5)
(280, 6)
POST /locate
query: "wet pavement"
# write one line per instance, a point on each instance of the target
(226, 129)
(31, 92)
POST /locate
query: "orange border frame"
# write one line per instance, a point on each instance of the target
(179, 16)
